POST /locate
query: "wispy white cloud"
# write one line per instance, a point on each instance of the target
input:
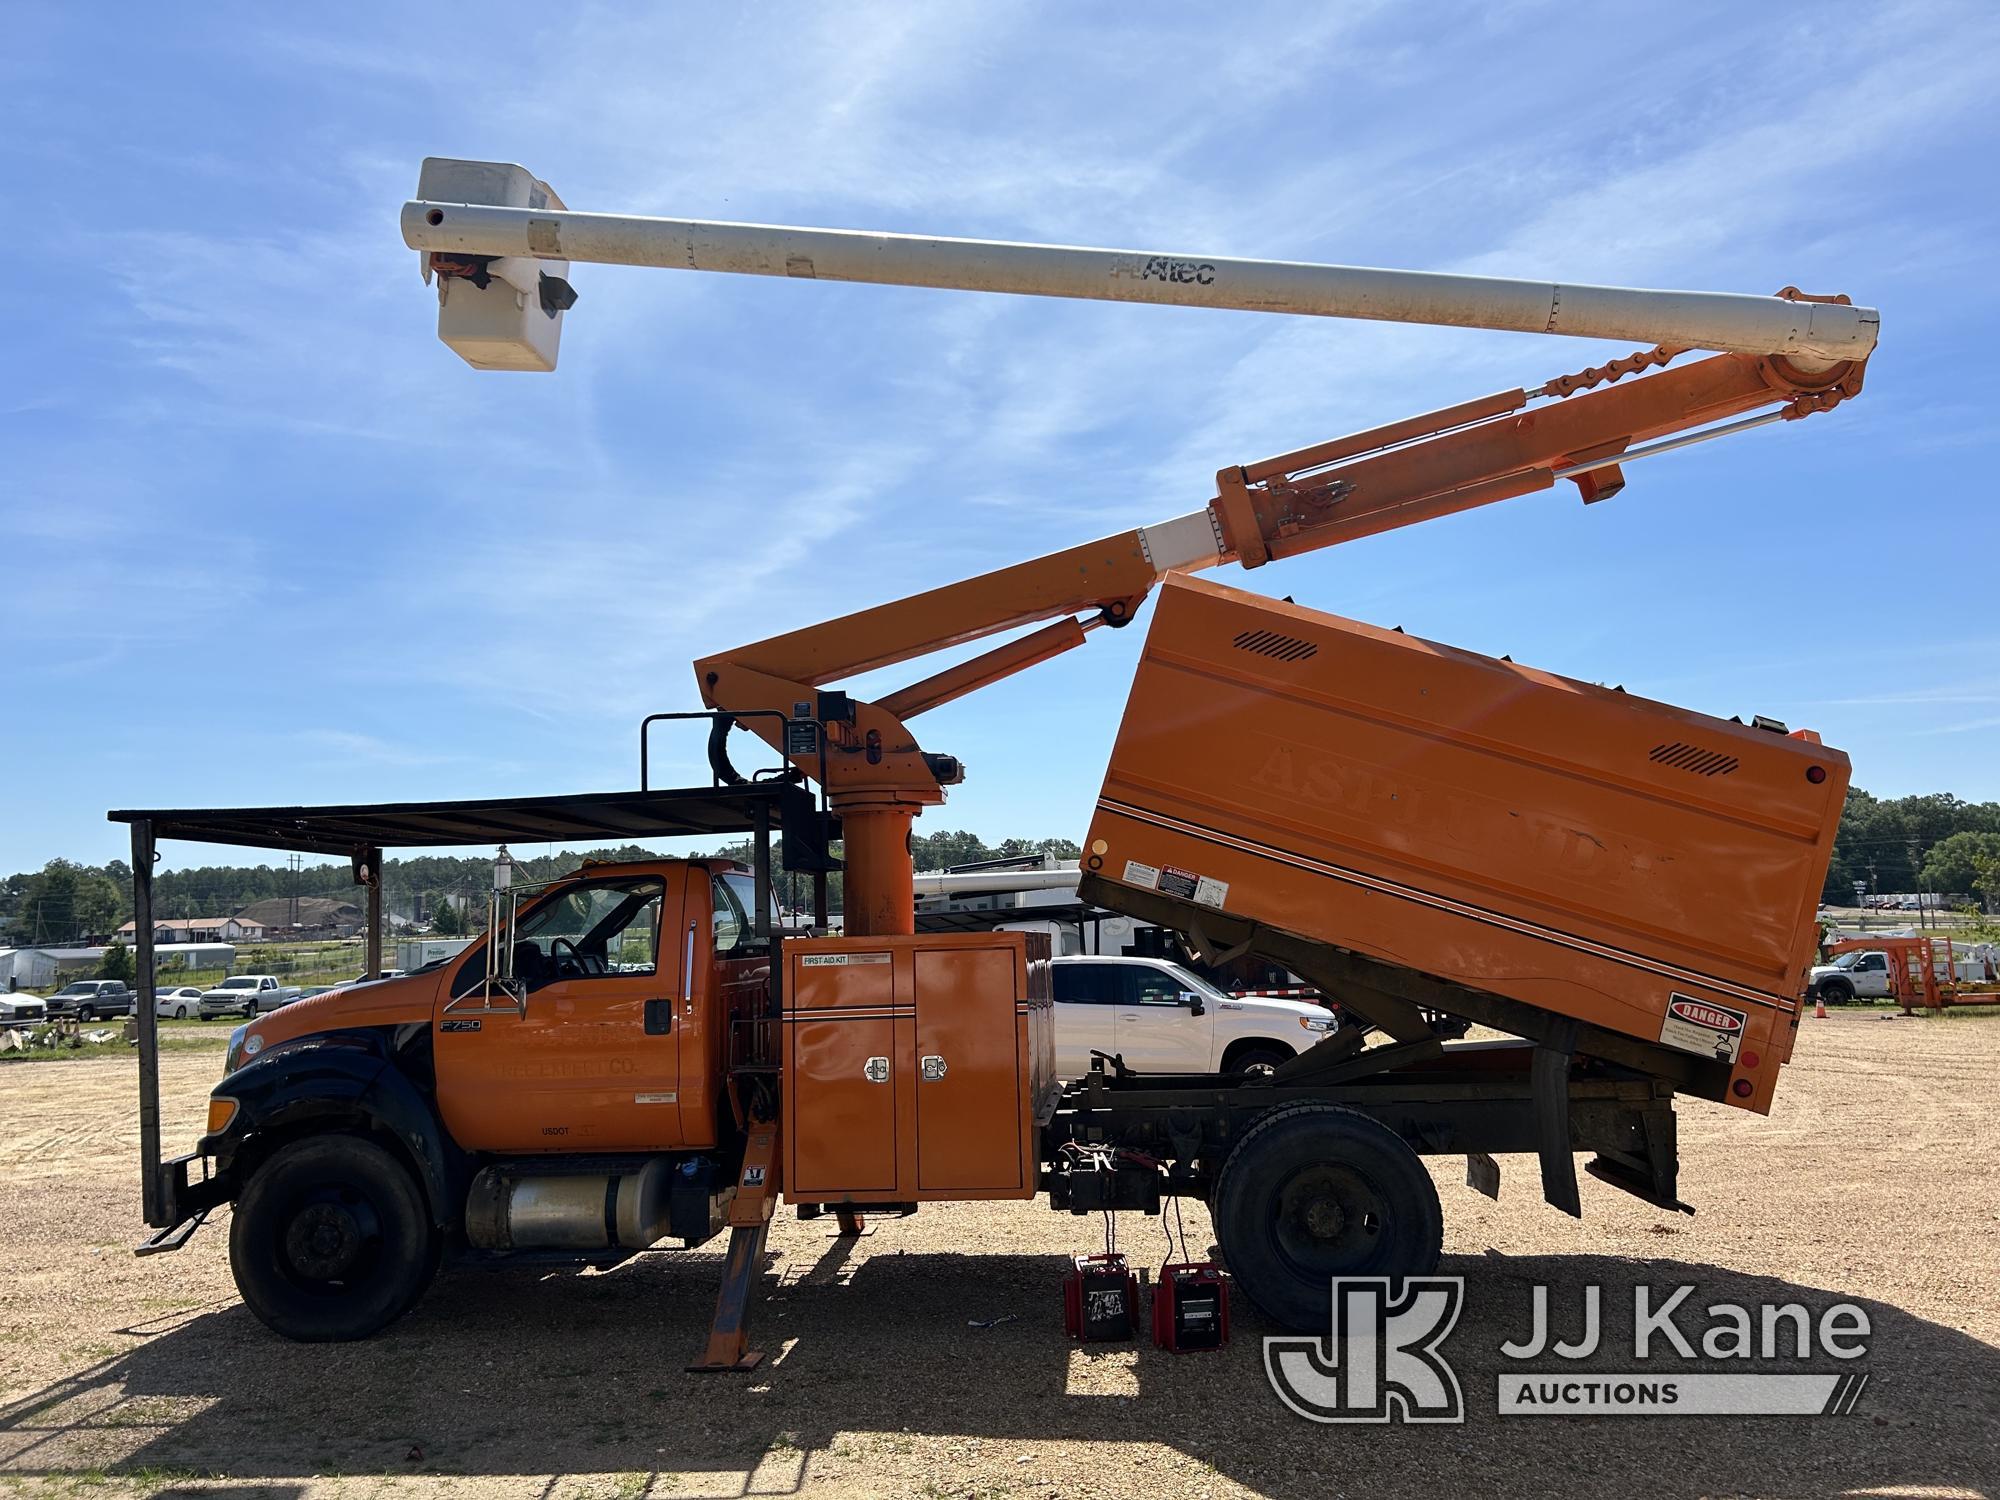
(239, 428)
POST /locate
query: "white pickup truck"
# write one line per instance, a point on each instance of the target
(246, 995)
(1163, 1019)
(1862, 975)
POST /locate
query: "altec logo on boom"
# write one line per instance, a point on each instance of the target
(1383, 1361)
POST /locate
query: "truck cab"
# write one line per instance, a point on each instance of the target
(577, 1109)
(1862, 975)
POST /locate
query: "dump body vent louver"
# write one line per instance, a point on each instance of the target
(1270, 643)
(1702, 762)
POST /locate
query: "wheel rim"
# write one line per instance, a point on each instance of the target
(331, 1242)
(1329, 1219)
(1260, 1070)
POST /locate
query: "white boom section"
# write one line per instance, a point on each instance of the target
(1722, 321)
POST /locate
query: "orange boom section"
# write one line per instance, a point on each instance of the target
(1634, 866)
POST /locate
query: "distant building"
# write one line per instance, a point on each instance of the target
(314, 916)
(197, 930)
(39, 968)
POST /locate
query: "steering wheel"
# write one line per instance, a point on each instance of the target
(572, 967)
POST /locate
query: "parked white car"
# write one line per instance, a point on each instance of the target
(1163, 1019)
(177, 1001)
(1862, 975)
(246, 995)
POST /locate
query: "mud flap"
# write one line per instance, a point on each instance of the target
(1549, 1077)
(1654, 1176)
(1482, 1174)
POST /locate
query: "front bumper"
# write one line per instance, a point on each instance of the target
(186, 1198)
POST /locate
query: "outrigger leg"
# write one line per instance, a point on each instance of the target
(750, 1222)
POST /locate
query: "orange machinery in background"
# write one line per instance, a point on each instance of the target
(1921, 974)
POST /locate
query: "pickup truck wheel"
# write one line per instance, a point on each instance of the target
(1836, 991)
(330, 1241)
(85, 1013)
(1257, 1059)
(1314, 1191)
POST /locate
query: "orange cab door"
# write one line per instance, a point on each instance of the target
(592, 1061)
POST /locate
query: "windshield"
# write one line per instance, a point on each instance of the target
(238, 984)
(77, 989)
(1847, 960)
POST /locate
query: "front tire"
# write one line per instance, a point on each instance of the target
(180, 1012)
(1315, 1191)
(330, 1241)
(1258, 1059)
(1836, 991)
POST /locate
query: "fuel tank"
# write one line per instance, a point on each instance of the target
(527, 1207)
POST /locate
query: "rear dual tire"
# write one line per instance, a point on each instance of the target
(1313, 1192)
(331, 1241)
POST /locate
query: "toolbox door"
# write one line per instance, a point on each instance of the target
(968, 1074)
(840, 1040)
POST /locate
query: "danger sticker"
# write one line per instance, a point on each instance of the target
(1704, 1027)
(840, 960)
(1146, 877)
(1178, 882)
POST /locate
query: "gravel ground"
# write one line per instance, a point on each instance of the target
(1876, 1182)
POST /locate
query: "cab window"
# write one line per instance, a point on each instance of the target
(735, 928)
(599, 930)
(1156, 987)
(1089, 984)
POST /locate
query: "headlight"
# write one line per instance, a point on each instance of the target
(1317, 1023)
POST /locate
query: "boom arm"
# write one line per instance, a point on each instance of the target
(500, 242)
(1581, 427)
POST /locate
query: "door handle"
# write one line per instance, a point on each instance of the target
(659, 1017)
(687, 973)
(932, 1068)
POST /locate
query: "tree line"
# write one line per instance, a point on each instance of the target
(1937, 843)
(65, 902)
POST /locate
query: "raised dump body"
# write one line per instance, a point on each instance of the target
(1650, 874)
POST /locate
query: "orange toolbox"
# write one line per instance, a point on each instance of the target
(918, 1068)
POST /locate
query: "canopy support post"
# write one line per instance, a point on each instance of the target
(146, 1019)
(373, 858)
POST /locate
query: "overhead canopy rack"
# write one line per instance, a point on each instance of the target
(361, 831)
(356, 828)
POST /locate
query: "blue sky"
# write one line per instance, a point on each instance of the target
(263, 539)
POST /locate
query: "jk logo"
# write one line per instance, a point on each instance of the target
(1380, 1362)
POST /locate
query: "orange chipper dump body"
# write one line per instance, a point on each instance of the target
(1642, 869)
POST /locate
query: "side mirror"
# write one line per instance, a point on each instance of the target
(1193, 1002)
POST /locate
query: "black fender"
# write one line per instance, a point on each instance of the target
(339, 1080)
